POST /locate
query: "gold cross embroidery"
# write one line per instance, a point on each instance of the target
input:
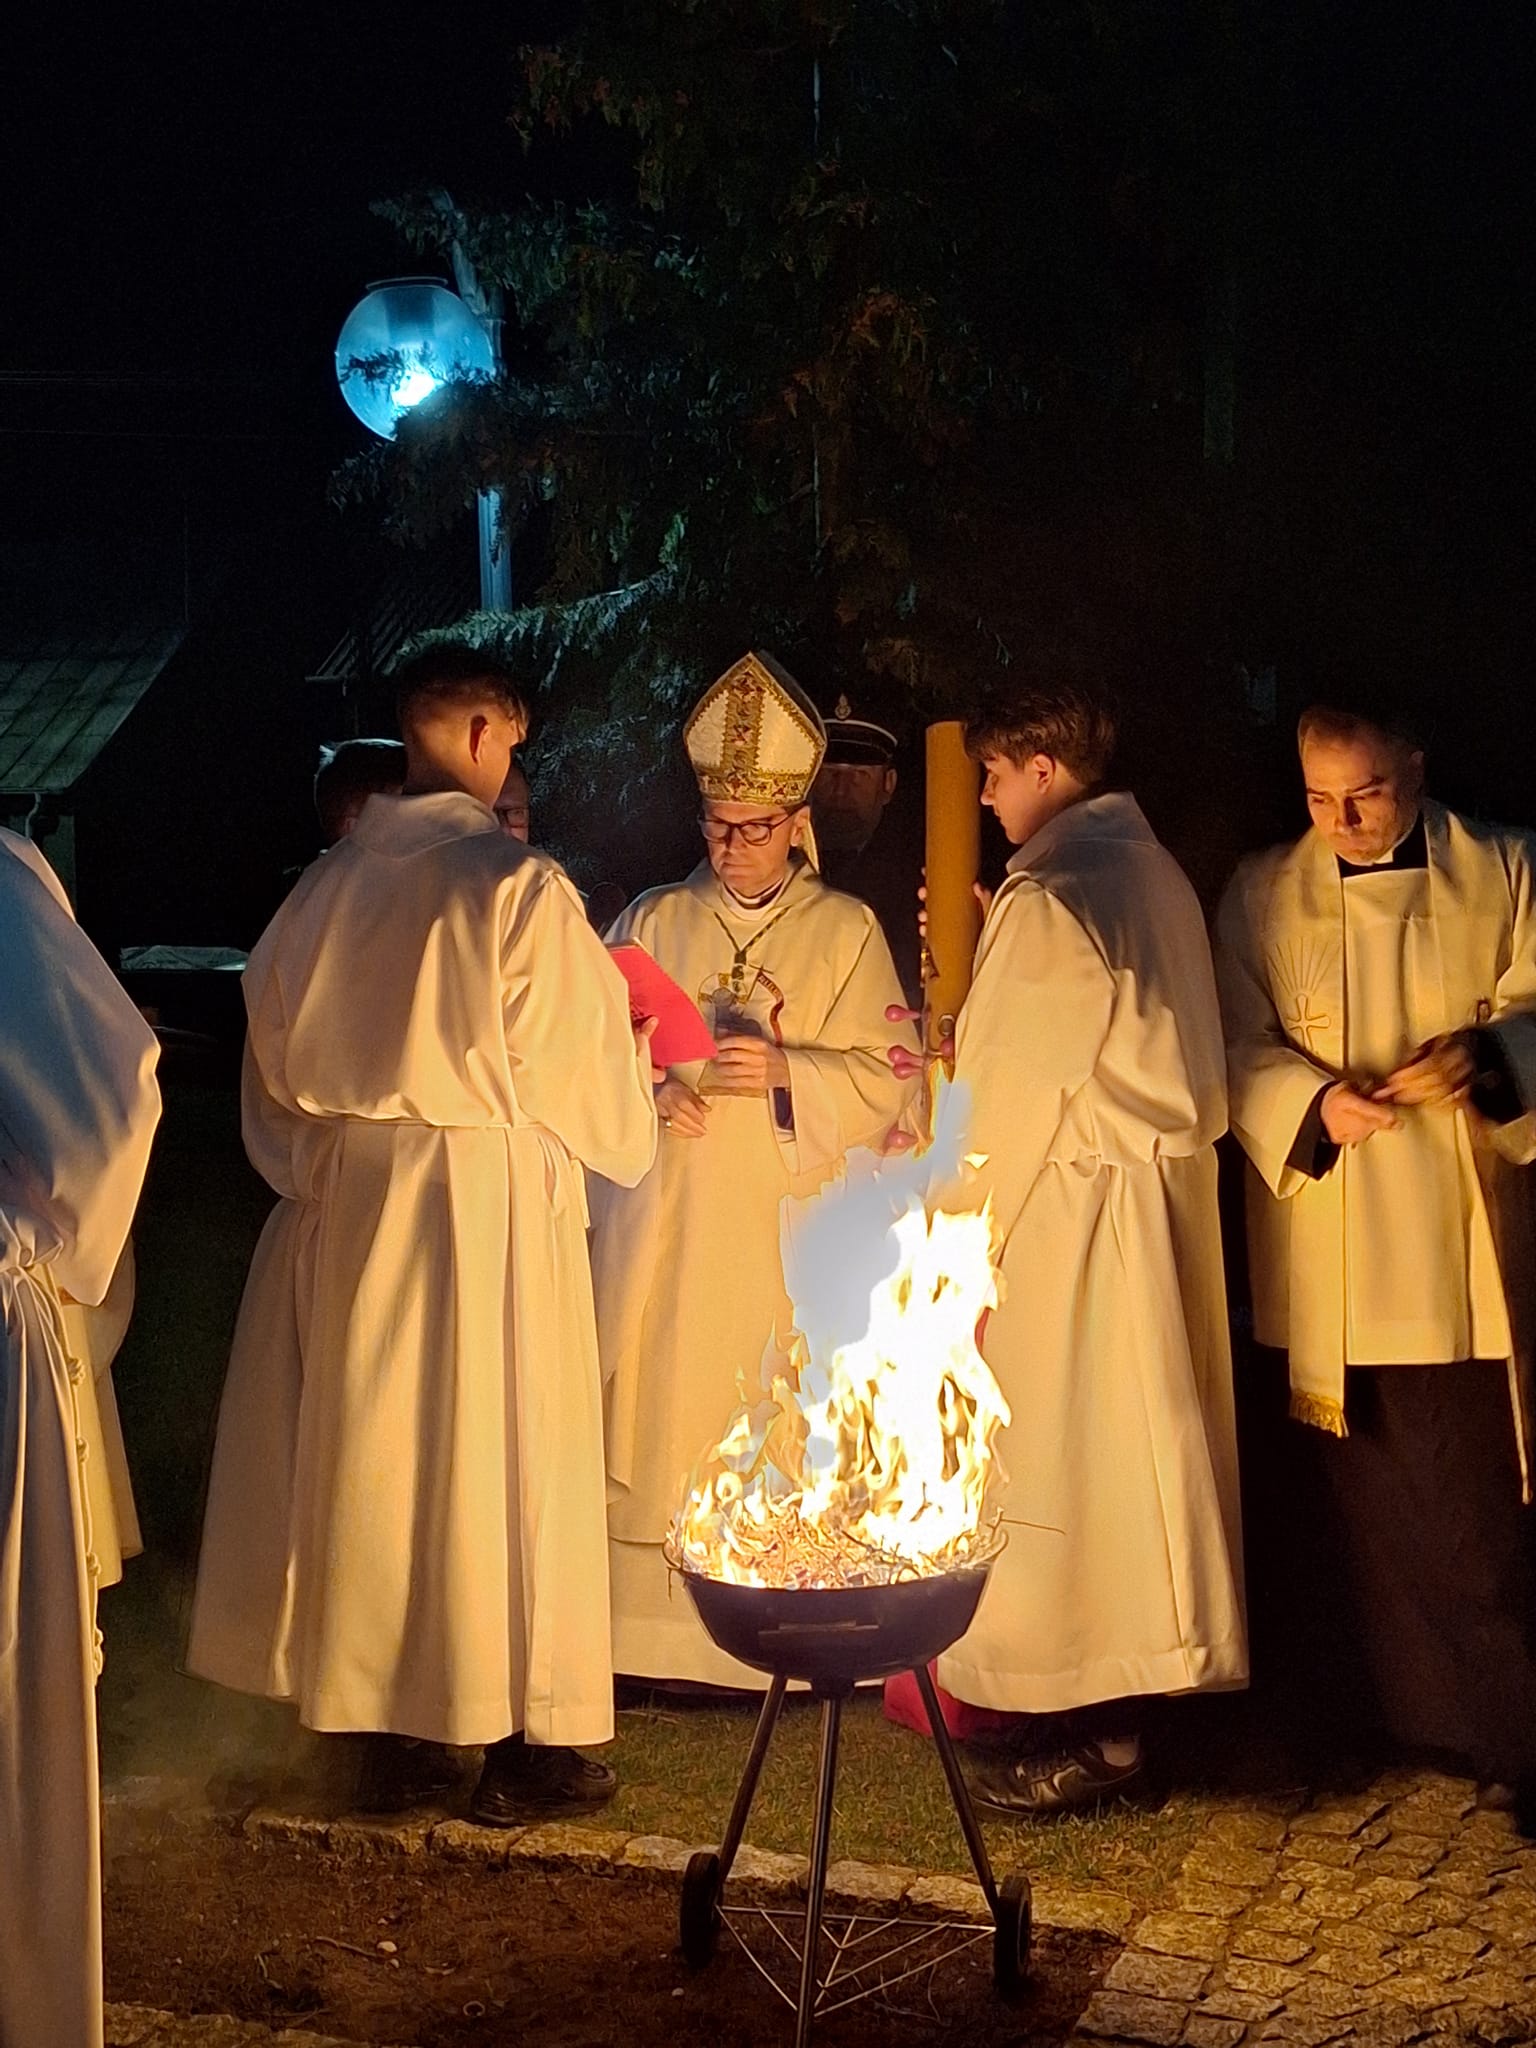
(1304, 1023)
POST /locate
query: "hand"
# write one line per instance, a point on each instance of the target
(685, 1114)
(907, 1065)
(983, 897)
(1439, 1073)
(1350, 1118)
(644, 1029)
(748, 1065)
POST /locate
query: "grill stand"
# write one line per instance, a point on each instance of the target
(702, 1912)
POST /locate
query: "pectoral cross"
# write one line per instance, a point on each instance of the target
(1304, 1022)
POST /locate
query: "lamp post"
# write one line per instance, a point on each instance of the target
(404, 338)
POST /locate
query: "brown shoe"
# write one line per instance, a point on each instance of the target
(522, 1780)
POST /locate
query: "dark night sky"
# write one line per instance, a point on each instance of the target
(186, 225)
(188, 201)
(187, 192)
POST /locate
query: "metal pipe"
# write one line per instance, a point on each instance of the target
(821, 1838)
(736, 1826)
(495, 556)
(959, 1792)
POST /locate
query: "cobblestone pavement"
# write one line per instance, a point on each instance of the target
(1402, 1914)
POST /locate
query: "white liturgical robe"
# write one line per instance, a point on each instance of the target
(78, 1109)
(1413, 1248)
(405, 1528)
(687, 1267)
(93, 1332)
(1090, 1043)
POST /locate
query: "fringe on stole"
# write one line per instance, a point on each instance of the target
(1319, 1411)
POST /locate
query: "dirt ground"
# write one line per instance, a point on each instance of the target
(441, 1955)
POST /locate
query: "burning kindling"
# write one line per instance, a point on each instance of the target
(870, 1457)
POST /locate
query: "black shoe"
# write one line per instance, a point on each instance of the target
(522, 1781)
(1027, 1738)
(399, 1772)
(1042, 1788)
(1522, 1808)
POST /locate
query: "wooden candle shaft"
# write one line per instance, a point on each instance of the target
(953, 858)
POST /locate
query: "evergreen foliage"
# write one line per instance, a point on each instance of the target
(780, 350)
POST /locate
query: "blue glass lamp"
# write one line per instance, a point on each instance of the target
(428, 331)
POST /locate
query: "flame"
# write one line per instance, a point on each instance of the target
(871, 1457)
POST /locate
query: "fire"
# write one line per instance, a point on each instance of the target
(871, 1456)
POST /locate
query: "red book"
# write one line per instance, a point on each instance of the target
(681, 1033)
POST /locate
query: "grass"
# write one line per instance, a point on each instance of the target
(678, 1771)
(678, 1766)
(678, 1762)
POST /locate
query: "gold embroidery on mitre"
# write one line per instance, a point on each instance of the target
(754, 737)
(1319, 1411)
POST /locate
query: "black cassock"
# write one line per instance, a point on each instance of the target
(1429, 1558)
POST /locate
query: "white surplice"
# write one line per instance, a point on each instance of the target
(93, 1333)
(687, 1267)
(1090, 1044)
(1414, 1248)
(405, 1526)
(78, 1109)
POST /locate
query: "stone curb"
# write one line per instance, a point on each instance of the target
(143, 2026)
(758, 1875)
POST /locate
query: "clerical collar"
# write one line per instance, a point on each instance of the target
(1411, 851)
(754, 906)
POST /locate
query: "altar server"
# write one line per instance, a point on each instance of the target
(794, 980)
(405, 1524)
(1379, 983)
(1090, 1045)
(93, 1335)
(78, 1108)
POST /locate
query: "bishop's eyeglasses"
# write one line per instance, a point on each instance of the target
(751, 831)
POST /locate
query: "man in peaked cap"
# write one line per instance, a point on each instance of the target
(853, 790)
(855, 782)
(794, 980)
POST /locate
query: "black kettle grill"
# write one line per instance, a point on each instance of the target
(833, 1638)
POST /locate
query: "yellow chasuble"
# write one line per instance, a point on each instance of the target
(686, 1267)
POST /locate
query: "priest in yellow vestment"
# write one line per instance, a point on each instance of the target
(1379, 984)
(794, 980)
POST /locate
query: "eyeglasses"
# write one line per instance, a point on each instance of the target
(751, 831)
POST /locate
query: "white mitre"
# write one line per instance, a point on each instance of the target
(754, 737)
